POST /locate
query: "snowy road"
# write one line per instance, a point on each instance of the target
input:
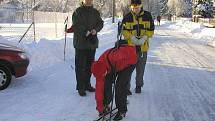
(179, 83)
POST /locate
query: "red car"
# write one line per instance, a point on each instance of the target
(13, 62)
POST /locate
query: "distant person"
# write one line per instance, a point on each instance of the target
(158, 20)
(174, 18)
(169, 16)
(87, 22)
(138, 28)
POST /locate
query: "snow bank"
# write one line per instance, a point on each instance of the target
(196, 30)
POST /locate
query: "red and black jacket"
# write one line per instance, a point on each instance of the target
(120, 58)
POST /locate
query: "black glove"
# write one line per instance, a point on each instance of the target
(91, 38)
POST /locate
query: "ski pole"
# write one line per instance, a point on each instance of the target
(113, 67)
(105, 114)
(64, 53)
(113, 93)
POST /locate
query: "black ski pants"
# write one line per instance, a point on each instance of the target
(83, 61)
(123, 78)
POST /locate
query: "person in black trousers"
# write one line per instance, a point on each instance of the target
(87, 22)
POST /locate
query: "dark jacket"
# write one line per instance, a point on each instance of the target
(86, 18)
(158, 18)
(120, 58)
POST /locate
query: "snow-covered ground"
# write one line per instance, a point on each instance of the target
(179, 80)
(196, 30)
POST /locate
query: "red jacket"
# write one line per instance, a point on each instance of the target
(120, 58)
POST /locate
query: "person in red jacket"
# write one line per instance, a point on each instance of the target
(115, 63)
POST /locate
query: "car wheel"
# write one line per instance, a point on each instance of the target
(5, 77)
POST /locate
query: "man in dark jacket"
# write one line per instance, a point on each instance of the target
(86, 23)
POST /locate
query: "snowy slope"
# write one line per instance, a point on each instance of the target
(179, 81)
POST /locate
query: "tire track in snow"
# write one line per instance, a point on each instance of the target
(190, 52)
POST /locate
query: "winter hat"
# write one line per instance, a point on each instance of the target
(135, 2)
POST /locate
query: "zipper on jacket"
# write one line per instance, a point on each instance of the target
(138, 27)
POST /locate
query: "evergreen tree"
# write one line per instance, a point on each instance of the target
(203, 8)
(163, 7)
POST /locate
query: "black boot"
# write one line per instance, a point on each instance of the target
(138, 89)
(82, 92)
(119, 116)
(91, 89)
